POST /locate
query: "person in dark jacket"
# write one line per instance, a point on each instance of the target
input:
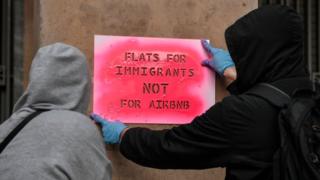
(240, 132)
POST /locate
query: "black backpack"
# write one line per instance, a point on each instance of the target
(298, 157)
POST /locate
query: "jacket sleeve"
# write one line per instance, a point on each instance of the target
(201, 144)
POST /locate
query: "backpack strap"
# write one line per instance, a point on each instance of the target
(277, 98)
(270, 93)
(16, 130)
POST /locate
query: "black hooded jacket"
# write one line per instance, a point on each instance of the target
(240, 132)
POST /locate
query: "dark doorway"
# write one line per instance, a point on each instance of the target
(11, 65)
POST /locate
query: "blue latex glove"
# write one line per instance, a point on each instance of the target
(111, 130)
(220, 61)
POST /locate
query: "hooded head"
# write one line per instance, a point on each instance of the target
(59, 79)
(266, 46)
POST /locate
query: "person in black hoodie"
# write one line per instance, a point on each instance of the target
(240, 132)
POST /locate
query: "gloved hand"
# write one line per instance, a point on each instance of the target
(221, 59)
(111, 130)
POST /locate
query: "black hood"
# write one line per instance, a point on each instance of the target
(266, 46)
